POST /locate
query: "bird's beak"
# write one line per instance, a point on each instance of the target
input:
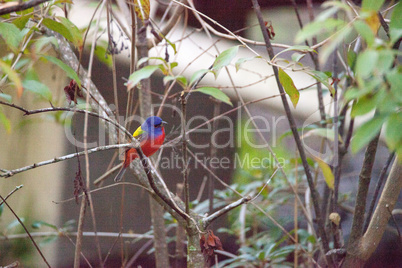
(164, 122)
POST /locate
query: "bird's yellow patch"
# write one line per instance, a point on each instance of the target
(138, 132)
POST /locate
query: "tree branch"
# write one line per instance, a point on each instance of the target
(366, 245)
(9, 173)
(66, 109)
(208, 220)
(89, 234)
(9, 7)
(151, 180)
(314, 194)
(11, 193)
(377, 189)
(26, 230)
(364, 183)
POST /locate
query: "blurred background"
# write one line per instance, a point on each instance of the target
(41, 137)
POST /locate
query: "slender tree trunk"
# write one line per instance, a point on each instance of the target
(363, 248)
(195, 259)
(158, 222)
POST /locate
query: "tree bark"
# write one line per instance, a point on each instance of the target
(157, 211)
(362, 249)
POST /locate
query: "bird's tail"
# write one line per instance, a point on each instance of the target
(119, 175)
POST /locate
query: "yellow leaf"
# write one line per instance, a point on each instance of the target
(327, 172)
(142, 9)
(373, 22)
(12, 76)
(289, 87)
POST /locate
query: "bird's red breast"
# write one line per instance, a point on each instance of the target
(149, 146)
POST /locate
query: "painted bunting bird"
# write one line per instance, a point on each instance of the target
(151, 135)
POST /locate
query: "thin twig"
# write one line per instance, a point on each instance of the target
(396, 224)
(183, 101)
(213, 151)
(250, 116)
(9, 173)
(208, 220)
(314, 193)
(12, 192)
(377, 188)
(88, 234)
(364, 183)
(66, 109)
(85, 134)
(313, 56)
(19, 6)
(151, 180)
(26, 230)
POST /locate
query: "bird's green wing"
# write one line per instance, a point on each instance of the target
(139, 133)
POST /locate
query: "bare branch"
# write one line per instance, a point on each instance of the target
(367, 244)
(292, 124)
(9, 7)
(9, 173)
(151, 180)
(208, 220)
(88, 234)
(377, 189)
(11, 193)
(26, 230)
(56, 109)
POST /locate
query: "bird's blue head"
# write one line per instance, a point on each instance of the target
(153, 125)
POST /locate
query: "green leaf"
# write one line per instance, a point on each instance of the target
(322, 78)
(303, 49)
(39, 224)
(47, 240)
(318, 27)
(366, 133)
(14, 223)
(393, 133)
(374, 5)
(394, 77)
(197, 75)
(38, 88)
(351, 57)
(365, 31)
(216, 93)
(103, 55)
(13, 76)
(180, 79)
(336, 40)
(328, 133)
(59, 28)
(169, 42)
(1, 209)
(7, 97)
(289, 87)
(327, 172)
(296, 57)
(224, 59)
(365, 63)
(385, 60)
(364, 105)
(74, 31)
(43, 41)
(140, 74)
(20, 22)
(10, 34)
(240, 62)
(69, 71)
(5, 122)
(395, 26)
